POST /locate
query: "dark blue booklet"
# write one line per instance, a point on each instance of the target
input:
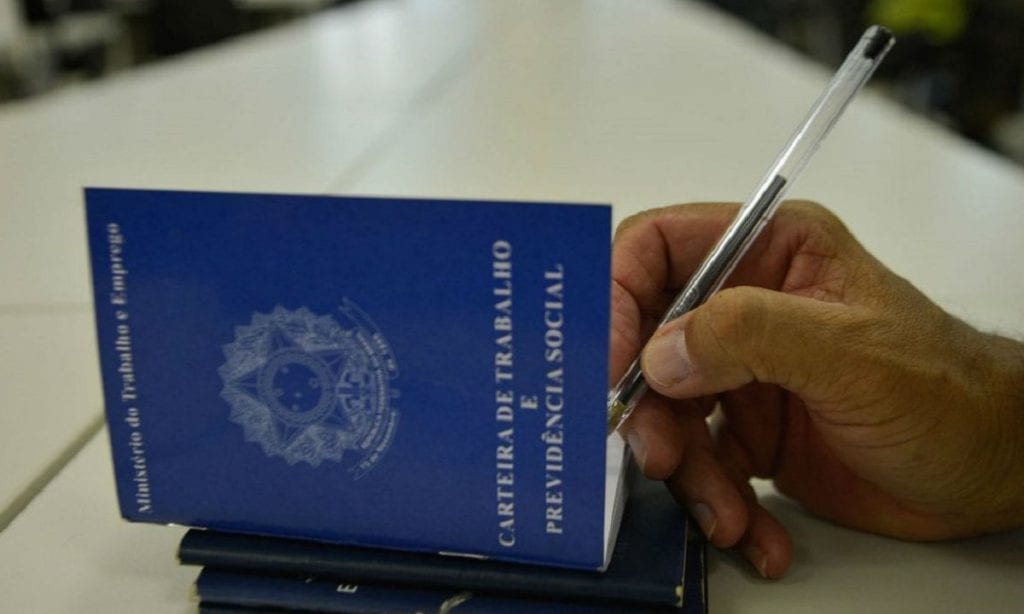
(425, 375)
(658, 562)
(300, 596)
(231, 591)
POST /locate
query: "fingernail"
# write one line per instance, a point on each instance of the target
(758, 559)
(666, 360)
(705, 518)
(639, 447)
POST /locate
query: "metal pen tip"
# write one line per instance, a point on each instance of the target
(616, 414)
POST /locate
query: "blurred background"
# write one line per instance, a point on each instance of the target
(47, 44)
(958, 62)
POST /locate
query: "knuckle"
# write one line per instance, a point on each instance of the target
(637, 219)
(818, 218)
(809, 207)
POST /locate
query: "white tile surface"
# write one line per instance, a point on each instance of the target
(605, 101)
(49, 395)
(70, 551)
(839, 570)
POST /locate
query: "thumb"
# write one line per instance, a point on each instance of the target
(742, 335)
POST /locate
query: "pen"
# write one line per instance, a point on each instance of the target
(862, 61)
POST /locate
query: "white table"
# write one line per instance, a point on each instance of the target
(638, 104)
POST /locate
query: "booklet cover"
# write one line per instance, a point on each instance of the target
(655, 563)
(412, 374)
(241, 593)
(230, 589)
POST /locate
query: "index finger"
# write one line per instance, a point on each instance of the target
(653, 255)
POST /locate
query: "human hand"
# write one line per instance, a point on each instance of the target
(859, 397)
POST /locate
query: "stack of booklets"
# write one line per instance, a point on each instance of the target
(658, 565)
(376, 404)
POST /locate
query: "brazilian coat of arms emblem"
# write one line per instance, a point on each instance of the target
(311, 388)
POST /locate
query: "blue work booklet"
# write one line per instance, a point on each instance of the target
(410, 374)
